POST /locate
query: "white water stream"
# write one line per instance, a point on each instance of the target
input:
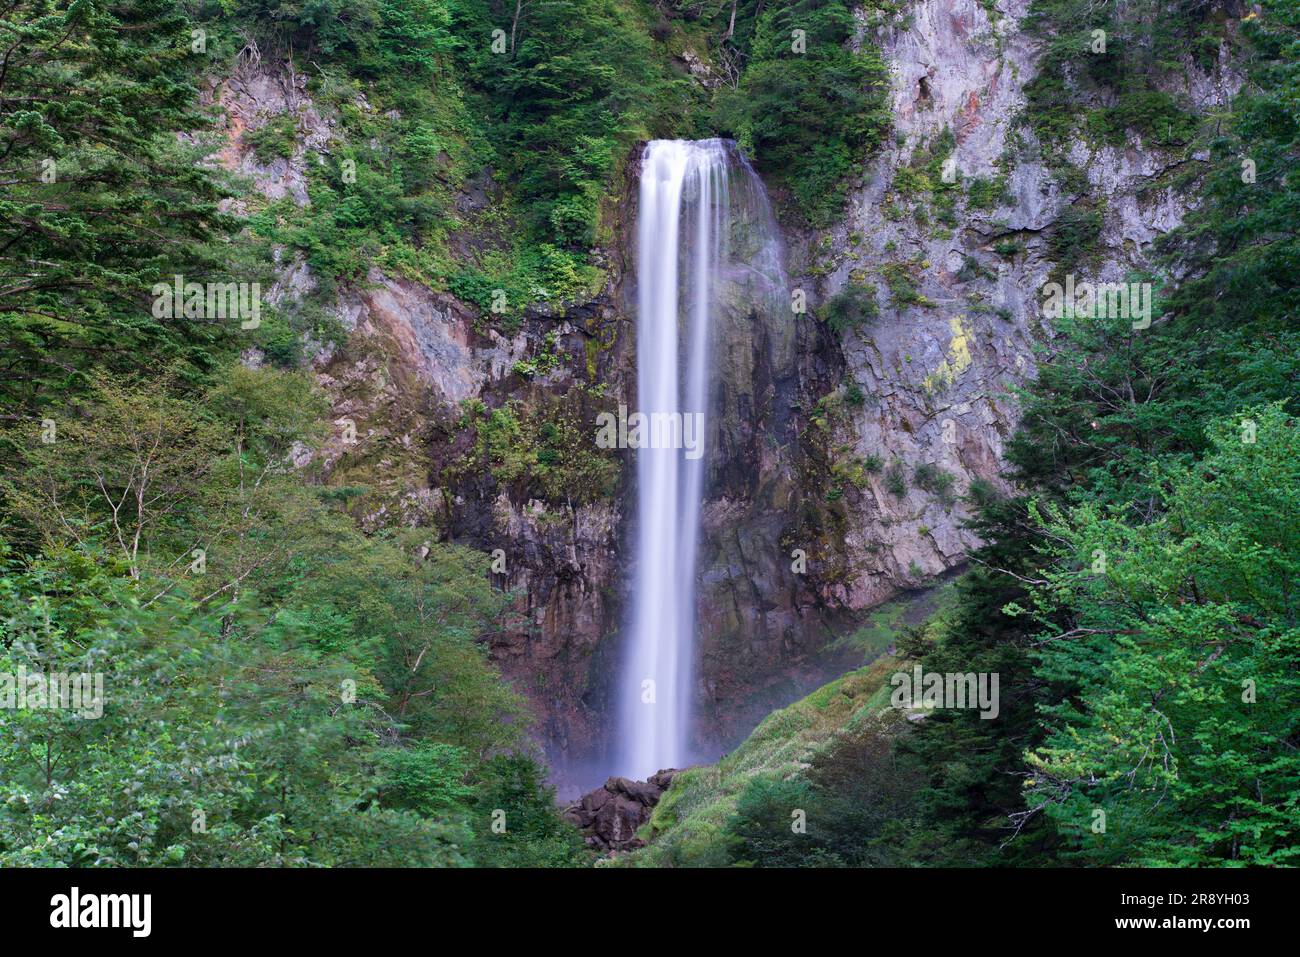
(681, 236)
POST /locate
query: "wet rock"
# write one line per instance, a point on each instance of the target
(612, 814)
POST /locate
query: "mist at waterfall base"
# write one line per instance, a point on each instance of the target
(689, 192)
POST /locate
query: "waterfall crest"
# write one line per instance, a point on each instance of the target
(685, 230)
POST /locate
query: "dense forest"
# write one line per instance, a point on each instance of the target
(300, 670)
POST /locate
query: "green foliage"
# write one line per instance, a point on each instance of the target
(1073, 242)
(854, 470)
(973, 789)
(101, 200)
(851, 308)
(935, 480)
(575, 87)
(896, 479)
(855, 802)
(972, 269)
(505, 283)
(548, 448)
(910, 182)
(765, 821)
(516, 821)
(808, 117)
(987, 194)
(317, 697)
(1241, 245)
(1152, 114)
(1182, 638)
(428, 778)
(274, 138)
(901, 280)
(268, 771)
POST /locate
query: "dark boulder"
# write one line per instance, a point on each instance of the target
(612, 814)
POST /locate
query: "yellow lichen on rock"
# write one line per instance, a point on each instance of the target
(957, 360)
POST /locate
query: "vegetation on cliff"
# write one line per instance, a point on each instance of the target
(272, 686)
(1136, 597)
(282, 687)
(1141, 645)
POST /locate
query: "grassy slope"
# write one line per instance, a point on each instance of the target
(687, 827)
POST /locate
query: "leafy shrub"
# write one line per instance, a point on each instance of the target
(902, 285)
(808, 117)
(274, 138)
(855, 802)
(1073, 241)
(429, 778)
(535, 835)
(934, 480)
(851, 308)
(762, 824)
(909, 181)
(546, 448)
(987, 194)
(972, 268)
(1153, 114)
(895, 480)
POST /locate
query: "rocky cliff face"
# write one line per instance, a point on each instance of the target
(957, 271)
(868, 442)
(840, 458)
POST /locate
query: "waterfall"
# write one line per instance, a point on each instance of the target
(684, 227)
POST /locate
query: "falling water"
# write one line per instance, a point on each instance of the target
(685, 222)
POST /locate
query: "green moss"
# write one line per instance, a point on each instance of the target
(889, 623)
